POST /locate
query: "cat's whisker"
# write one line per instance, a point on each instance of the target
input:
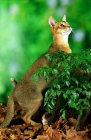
(73, 31)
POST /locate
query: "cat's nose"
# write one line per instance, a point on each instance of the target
(70, 28)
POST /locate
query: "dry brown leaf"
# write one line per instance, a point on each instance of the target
(87, 136)
(42, 137)
(1, 138)
(82, 133)
(73, 121)
(54, 134)
(12, 137)
(75, 138)
(71, 134)
(29, 133)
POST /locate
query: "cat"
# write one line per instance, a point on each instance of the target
(27, 93)
(48, 118)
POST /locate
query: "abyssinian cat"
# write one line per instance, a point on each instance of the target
(26, 92)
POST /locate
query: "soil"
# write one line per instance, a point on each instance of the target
(60, 130)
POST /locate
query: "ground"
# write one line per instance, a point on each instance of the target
(60, 130)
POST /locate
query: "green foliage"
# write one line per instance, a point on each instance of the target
(70, 82)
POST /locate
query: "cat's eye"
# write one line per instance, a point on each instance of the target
(62, 25)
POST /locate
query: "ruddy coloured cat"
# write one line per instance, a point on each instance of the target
(26, 92)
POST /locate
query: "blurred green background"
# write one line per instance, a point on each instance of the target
(25, 33)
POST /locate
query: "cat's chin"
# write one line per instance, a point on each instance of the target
(67, 32)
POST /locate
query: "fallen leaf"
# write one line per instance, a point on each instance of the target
(54, 134)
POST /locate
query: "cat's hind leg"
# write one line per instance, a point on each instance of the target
(31, 112)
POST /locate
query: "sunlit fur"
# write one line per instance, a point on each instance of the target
(60, 31)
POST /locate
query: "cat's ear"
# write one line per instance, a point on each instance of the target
(52, 21)
(64, 18)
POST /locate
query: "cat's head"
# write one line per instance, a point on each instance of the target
(62, 28)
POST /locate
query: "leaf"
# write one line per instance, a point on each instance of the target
(68, 83)
(75, 80)
(48, 56)
(53, 102)
(53, 134)
(63, 114)
(35, 78)
(54, 71)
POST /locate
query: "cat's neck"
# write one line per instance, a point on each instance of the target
(60, 39)
(60, 42)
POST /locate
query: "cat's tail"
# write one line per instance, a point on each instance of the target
(10, 112)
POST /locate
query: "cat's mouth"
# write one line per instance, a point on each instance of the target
(68, 31)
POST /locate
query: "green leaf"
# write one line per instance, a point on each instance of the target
(68, 83)
(75, 80)
(64, 114)
(54, 71)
